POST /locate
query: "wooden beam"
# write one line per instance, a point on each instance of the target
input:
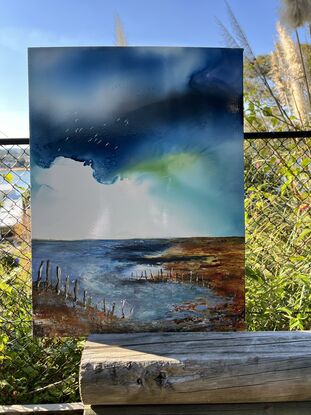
(47, 409)
(196, 368)
(291, 408)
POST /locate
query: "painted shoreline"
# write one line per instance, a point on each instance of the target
(216, 263)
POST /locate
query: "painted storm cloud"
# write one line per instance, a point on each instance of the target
(137, 189)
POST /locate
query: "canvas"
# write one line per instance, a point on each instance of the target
(136, 189)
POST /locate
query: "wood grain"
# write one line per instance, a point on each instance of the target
(196, 368)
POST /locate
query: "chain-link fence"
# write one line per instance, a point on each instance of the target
(277, 216)
(277, 209)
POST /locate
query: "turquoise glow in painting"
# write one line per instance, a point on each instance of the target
(137, 189)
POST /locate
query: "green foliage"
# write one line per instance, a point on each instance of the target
(263, 110)
(278, 230)
(277, 202)
(33, 370)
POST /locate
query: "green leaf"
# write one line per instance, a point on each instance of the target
(303, 234)
(8, 177)
(5, 287)
(267, 111)
(305, 162)
(297, 258)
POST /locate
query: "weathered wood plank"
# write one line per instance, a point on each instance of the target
(188, 368)
(291, 408)
(47, 409)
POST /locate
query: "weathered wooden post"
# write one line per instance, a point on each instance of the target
(47, 274)
(39, 278)
(122, 308)
(84, 298)
(58, 280)
(66, 286)
(113, 308)
(76, 290)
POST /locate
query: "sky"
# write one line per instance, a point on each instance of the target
(151, 137)
(91, 22)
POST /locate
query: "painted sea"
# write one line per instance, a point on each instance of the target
(141, 284)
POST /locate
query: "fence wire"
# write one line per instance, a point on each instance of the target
(277, 217)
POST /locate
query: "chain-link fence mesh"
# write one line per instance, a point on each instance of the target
(277, 187)
(278, 233)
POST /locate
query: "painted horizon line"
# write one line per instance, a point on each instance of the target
(138, 238)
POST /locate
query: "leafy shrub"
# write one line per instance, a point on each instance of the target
(278, 229)
(33, 370)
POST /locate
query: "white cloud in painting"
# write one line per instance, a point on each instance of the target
(96, 103)
(68, 203)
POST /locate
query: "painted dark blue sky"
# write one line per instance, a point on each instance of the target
(155, 131)
(111, 108)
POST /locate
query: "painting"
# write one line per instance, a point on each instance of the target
(136, 189)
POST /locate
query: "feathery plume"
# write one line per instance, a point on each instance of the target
(239, 39)
(296, 13)
(278, 65)
(119, 32)
(241, 36)
(295, 75)
(229, 39)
